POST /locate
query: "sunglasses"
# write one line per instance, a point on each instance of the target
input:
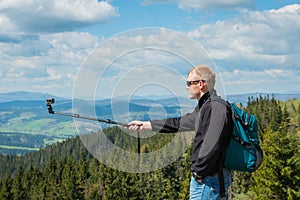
(189, 83)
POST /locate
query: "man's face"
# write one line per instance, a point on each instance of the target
(194, 88)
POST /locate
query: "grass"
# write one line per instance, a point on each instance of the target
(18, 147)
(66, 128)
(54, 131)
(40, 126)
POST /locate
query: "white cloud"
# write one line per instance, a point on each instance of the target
(140, 50)
(215, 4)
(264, 80)
(207, 4)
(31, 16)
(24, 45)
(256, 51)
(254, 39)
(49, 61)
(253, 50)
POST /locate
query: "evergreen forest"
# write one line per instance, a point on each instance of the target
(66, 170)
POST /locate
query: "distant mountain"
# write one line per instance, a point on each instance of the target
(243, 98)
(142, 100)
(25, 96)
(26, 125)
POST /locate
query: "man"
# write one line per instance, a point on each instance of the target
(212, 123)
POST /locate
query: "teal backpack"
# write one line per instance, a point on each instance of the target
(244, 153)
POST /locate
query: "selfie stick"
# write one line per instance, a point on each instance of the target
(51, 101)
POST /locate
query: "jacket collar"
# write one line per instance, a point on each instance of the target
(205, 97)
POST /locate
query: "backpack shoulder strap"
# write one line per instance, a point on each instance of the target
(221, 162)
(220, 100)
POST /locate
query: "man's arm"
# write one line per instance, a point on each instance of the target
(173, 125)
(170, 125)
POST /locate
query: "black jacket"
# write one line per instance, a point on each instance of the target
(213, 125)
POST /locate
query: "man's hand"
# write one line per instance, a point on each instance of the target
(139, 125)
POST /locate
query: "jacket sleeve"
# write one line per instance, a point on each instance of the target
(214, 119)
(173, 125)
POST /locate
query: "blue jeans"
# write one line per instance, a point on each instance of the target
(209, 188)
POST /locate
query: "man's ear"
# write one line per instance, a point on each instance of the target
(203, 86)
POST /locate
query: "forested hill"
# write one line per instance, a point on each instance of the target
(67, 171)
(27, 126)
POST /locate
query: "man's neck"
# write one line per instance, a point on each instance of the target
(202, 93)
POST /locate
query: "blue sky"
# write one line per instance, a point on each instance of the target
(49, 46)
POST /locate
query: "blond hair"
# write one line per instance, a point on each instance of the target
(205, 73)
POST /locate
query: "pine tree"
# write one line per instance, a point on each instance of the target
(298, 116)
(6, 185)
(35, 182)
(51, 179)
(17, 190)
(95, 181)
(69, 184)
(278, 177)
(83, 173)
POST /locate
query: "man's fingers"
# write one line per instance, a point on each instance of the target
(139, 125)
(135, 125)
